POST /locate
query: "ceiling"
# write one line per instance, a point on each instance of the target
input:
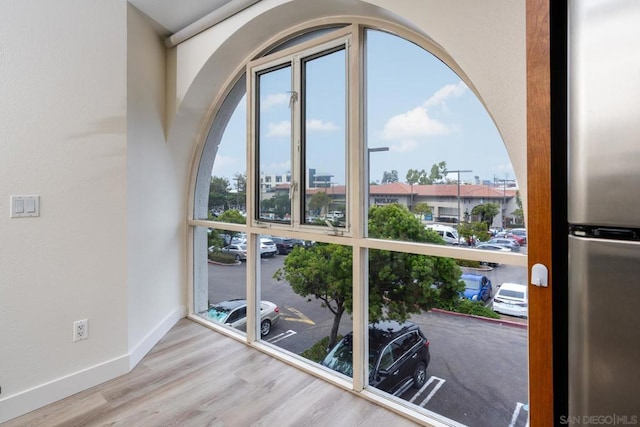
(175, 15)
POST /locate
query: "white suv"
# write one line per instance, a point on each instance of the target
(267, 247)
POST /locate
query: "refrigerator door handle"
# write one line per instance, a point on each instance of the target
(540, 275)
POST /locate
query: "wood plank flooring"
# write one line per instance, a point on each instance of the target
(197, 377)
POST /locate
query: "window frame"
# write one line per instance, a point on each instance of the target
(357, 167)
(340, 38)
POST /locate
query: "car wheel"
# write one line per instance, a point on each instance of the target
(265, 327)
(237, 258)
(420, 375)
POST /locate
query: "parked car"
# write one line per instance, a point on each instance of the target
(477, 287)
(234, 313)
(518, 236)
(267, 247)
(285, 244)
(509, 243)
(492, 247)
(238, 250)
(398, 356)
(511, 299)
(448, 233)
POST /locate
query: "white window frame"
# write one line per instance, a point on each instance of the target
(355, 235)
(295, 57)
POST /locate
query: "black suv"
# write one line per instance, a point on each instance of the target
(398, 356)
(285, 245)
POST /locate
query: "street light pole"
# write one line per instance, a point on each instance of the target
(458, 172)
(369, 151)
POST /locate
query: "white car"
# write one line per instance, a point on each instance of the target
(267, 247)
(234, 313)
(512, 299)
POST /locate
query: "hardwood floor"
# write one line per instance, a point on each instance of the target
(197, 377)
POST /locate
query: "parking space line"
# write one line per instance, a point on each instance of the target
(424, 387)
(282, 336)
(516, 413)
(301, 317)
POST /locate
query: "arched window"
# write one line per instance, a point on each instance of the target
(346, 196)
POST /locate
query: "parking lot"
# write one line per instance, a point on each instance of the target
(478, 370)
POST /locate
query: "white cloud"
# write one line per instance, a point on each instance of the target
(319, 125)
(283, 128)
(281, 167)
(416, 124)
(223, 164)
(404, 146)
(413, 124)
(273, 100)
(445, 92)
(279, 129)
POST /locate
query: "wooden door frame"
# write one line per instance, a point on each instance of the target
(543, 388)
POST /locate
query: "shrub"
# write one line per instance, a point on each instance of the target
(318, 351)
(222, 257)
(465, 306)
(468, 263)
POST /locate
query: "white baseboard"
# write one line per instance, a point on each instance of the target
(44, 394)
(29, 400)
(146, 344)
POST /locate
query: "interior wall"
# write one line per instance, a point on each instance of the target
(156, 201)
(63, 113)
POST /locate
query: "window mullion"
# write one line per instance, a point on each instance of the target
(297, 164)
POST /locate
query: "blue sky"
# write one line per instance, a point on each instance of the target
(416, 106)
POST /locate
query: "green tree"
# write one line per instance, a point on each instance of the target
(438, 172)
(422, 208)
(400, 284)
(319, 202)
(279, 204)
(219, 193)
(233, 216)
(518, 213)
(476, 229)
(389, 177)
(486, 212)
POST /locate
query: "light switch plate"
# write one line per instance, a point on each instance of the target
(24, 206)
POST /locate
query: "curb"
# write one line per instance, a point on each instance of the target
(486, 319)
(223, 264)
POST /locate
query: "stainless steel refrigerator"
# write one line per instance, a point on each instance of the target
(604, 210)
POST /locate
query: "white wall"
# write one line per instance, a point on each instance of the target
(82, 111)
(63, 137)
(156, 204)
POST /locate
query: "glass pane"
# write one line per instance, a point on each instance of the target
(433, 147)
(448, 351)
(222, 174)
(324, 106)
(221, 297)
(274, 144)
(311, 283)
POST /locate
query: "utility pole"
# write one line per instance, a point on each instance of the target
(458, 172)
(504, 199)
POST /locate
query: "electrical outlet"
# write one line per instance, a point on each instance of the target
(80, 330)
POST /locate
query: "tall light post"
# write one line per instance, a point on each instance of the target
(458, 172)
(369, 151)
(503, 209)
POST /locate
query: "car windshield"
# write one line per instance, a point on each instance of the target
(471, 284)
(341, 357)
(218, 313)
(511, 293)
